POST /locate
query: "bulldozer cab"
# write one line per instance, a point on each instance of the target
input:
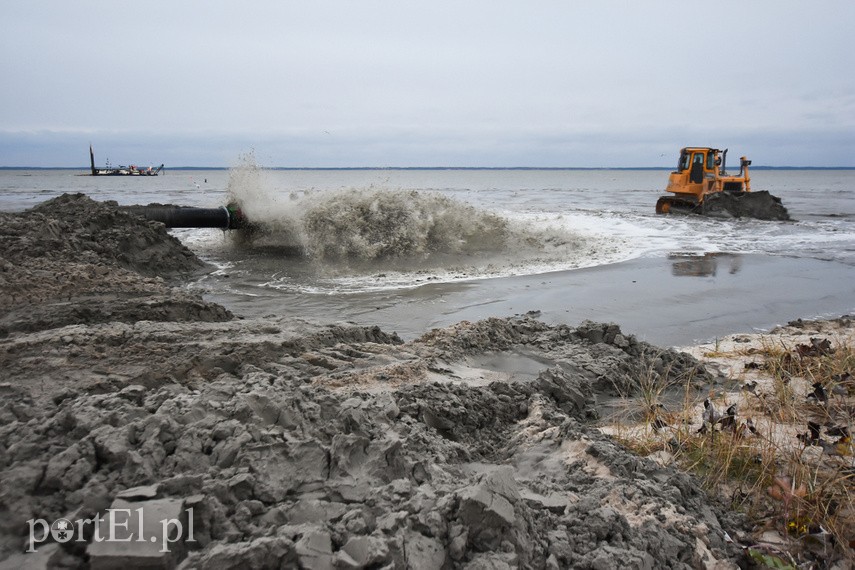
(696, 172)
(699, 162)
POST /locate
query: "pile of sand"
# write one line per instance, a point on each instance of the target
(341, 445)
(760, 205)
(74, 260)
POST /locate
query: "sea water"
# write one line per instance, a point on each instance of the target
(366, 244)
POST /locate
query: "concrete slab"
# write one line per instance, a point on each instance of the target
(141, 534)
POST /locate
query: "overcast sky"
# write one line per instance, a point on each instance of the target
(430, 83)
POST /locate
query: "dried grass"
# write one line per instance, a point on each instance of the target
(764, 460)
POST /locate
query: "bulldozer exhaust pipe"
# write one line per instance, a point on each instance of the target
(224, 217)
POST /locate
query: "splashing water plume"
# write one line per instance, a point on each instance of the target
(372, 224)
(392, 229)
(276, 222)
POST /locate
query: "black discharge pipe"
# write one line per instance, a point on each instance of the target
(225, 217)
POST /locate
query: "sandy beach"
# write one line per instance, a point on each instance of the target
(667, 301)
(470, 440)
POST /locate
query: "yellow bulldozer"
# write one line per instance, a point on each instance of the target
(701, 185)
(701, 172)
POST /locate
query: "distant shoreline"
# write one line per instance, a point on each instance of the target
(345, 168)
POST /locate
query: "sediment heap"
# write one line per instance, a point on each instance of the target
(760, 205)
(281, 443)
(72, 260)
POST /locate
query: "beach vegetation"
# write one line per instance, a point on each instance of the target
(777, 449)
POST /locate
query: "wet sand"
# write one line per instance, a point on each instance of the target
(671, 302)
(674, 302)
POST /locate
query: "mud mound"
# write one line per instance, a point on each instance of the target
(760, 205)
(73, 260)
(75, 227)
(598, 352)
(291, 444)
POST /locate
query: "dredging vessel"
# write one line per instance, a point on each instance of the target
(131, 170)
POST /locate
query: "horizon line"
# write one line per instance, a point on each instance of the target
(187, 167)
